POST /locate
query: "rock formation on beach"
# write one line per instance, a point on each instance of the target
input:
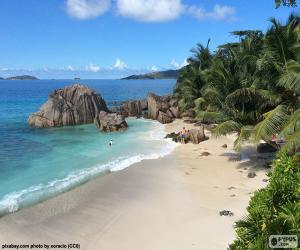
(162, 108)
(108, 122)
(73, 105)
(195, 136)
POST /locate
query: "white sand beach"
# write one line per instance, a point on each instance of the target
(171, 203)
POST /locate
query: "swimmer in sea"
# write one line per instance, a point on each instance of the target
(110, 142)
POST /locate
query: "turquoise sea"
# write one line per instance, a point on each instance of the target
(36, 164)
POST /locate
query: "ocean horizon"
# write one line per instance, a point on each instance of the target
(36, 164)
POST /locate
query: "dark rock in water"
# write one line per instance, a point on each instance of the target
(251, 175)
(265, 148)
(205, 154)
(171, 135)
(174, 136)
(196, 135)
(226, 213)
(109, 122)
(73, 105)
(224, 146)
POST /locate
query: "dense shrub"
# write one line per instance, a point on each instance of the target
(274, 210)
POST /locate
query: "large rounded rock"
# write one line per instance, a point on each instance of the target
(189, 113)
(157, 107)
(109, 122)
(73, 105)
(175, 112)
(164, 118)
(197, 135)
(135, 107)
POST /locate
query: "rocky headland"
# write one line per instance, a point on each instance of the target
(78, 104)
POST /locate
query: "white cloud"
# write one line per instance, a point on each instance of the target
(70, 68)
(119, 64)
(93, 68)
(174, 64)
(154, 68)
(184, 63)
(177, 65)
(4, 69)
(219, 13)
(85, 9)
(150, 10)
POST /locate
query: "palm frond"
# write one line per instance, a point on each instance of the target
(226, 128)
(291, 78)
(243, 136)
(292, 143)
(272, 123)
(292, 125)
(210, 117)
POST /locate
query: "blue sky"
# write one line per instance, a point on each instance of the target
(115, 38)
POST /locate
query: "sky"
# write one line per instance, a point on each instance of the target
(115, 38)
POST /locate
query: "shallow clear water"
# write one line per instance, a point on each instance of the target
(36, 164)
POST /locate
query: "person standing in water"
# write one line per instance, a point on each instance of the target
(110, 142)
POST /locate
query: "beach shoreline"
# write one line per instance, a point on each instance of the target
(168, 203)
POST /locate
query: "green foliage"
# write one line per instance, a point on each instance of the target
(252, 88)
(254, 83)
(274, 209)
(289, 3)
(272, 123)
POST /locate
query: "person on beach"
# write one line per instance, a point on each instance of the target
(110, 142)
(182, 135)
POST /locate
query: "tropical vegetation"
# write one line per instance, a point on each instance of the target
(274, 210)
(290, 3)
(251, 87)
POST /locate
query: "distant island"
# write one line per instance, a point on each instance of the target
(23, 77)
(167, 74)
